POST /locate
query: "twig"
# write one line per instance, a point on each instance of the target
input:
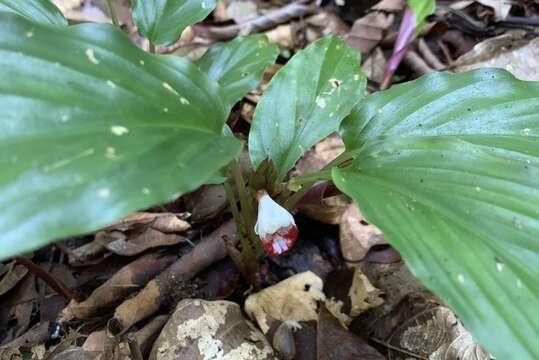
(521, 20)
(50, 280)
(429, 57)
(416, 62)
(264, 22)
(112, 13)
(134, 348)
(396, 348)
(445, 50)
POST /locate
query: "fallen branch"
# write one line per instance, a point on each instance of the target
(261, 23)
(150, 299)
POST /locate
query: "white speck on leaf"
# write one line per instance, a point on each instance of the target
(184, 101)
(146, 191)
(91, 56)
(169, 88)
(141, 62)
(519, 284)
(111, 84)
(110, 153)
(320, 102)
(460, 278)
(526, 131)
(64, 118)
(477, 188)
(165, 109)
(499, 265)
(357, 77)
(119, 130)
(29, 34)
(103, 193)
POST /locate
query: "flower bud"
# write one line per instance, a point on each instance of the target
(275, 226)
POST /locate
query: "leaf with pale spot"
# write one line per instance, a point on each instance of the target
(95, 129)
(448, 167)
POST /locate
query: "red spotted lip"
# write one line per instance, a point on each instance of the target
(280, 241)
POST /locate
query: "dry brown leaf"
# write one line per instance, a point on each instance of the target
(131, 277)
(206, 202)
(367, 32)
(438, 334)
(509, 51)
(165, 222)
(349, 293)
(281, 35)
(501, 7)
(209, 250)
(239, 11)
(150, 238)
(200, 329)
(374, 66)
(335, 342)
(357, 236)
(389, 5)
(293, 299)
(12, 278)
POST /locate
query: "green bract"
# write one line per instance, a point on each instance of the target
(238, 65)
(448, 167)
(162, 21)
(95, 129)
(305, 101)
(40, 11)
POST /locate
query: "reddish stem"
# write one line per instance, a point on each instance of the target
(44, 275)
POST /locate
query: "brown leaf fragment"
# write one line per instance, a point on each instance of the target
(209, 250)
(38, 333)
(357, 235)
(508, 51)
(335, 342)
(293, 299)
(367, 32)
(374, 65)
(206, 202)
(131, 277)
(146, 336)
(12, 278)
(164, 222)
(16, 310)
(148, 239)
(349, 293)
(438, 334)
(200, 329)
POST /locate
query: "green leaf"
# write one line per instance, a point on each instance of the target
(305, 102)
(448, 167)
(238, 65)
(162, 21)
(95, 129)
(39, 11)
(421, 9)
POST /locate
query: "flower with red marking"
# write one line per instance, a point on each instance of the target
(275, 226)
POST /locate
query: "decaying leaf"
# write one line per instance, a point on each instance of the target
(209, 250)
(206, 202)
(349, 293)
(335, 342)
(438, 334)
(164, 222)
(508, 51)
(293, 299)
(131, 277)
(374, 65)
(357, 236)
(200, 329)
(148, 239)
(367, 32)
(501, 7)
(12, 278)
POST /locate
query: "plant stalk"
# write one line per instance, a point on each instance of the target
(112, 13)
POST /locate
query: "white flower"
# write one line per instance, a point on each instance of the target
(275, 226)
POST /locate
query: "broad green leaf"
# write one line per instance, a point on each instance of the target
(448, 167)
(238, 65)
(95, 129)
(162, 21)
(421, 9)
(39, 11)
(305, 102)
